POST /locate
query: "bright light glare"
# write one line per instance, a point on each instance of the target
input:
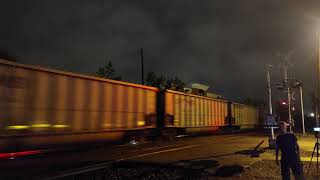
(40, 125)
(140, 123)
(18, 154)
(312, 114)
(133, 142)
(284, 103)
(17, 127)
(60, 126)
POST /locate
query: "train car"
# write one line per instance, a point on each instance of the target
(40, 107)
(245, 117)
(193, 113)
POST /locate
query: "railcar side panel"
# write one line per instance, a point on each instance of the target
(245, 116)
(195, 111)
(37, 100)
(64, 107)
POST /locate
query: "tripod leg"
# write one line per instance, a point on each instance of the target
(314, 148)
(317, 159)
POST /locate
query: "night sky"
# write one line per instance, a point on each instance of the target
(225, 44)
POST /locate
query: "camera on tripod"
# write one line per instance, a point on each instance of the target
(316, 131)
(316, 148)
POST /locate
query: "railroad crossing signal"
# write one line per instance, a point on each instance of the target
(280, 86)
(292, 96)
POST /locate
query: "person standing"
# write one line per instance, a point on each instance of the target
(290, 155)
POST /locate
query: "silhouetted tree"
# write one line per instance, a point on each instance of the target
(5, 55)
(163, 82)
(151, 79)
(253, 102)
(178, 84)
(108, 72)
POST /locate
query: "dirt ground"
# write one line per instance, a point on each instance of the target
(265, 169)
(240, 165)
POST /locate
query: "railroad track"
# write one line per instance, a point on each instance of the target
(103, 166)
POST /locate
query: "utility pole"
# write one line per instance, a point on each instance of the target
(302, 109)
(288, 93)
(317, 89)
(269, 88)
(270, 103)
(142, 68)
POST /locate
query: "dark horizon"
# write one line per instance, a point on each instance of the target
(225, 45)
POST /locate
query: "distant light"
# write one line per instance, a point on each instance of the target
(60, 126)
(133, 142)
(316, 129)
(141, 123)
(293, 108)
(13, 155)
(17, 127)
(312, 114)
(40, 125)
(108, 125)
(284, 103)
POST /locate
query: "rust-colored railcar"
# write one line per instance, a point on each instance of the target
(66, 107)
(245, 116)
(41, 107)
(195, 113)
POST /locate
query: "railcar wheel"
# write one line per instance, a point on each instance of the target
(135, 137)
(169, 134)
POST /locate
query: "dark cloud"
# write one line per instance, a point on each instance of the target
(225, 44)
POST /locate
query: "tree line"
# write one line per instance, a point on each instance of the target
(6, 55)
(152, 79)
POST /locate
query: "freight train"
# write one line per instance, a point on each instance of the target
(41, 108)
